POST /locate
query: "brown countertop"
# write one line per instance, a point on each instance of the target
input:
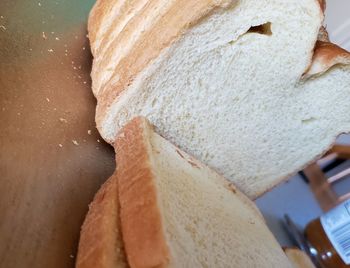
(52, 159)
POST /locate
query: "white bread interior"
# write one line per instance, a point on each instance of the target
(176, 212)
(298, 258)
(233, 95)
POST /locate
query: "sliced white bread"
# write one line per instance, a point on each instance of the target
(176, 212)
(298, 258)
(235, 83)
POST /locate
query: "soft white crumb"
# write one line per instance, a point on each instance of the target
(47, 99)
(50, 50)
(57, 38)
(60, 145)
(39, 4)
(98, 141)
(89, 131)
(44, 35)
(3, 27)
(75, 142)
(71, 256)
(63, 120)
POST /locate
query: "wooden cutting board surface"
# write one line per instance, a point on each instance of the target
(52, 159)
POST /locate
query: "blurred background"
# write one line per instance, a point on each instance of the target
(295, 196)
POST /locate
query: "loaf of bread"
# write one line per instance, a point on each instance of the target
(172, 211)
(243, 85)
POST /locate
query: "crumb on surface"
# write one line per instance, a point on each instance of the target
(60, 145)
(50, 50)
(47, 99)
(44, 35)
(75, 142)
(3, 27)
(63, 120)
(89, 131)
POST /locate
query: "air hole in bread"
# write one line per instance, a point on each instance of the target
(261, 29)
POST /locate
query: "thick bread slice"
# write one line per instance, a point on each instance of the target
(100, 244)
(224, 80)
(176, 212)
(298, 258)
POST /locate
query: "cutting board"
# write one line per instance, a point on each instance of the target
(52, 159)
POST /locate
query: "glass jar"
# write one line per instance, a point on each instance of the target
(329, 237)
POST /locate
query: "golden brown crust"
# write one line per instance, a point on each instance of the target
(143, 235)
(322, 5)
(326, 55)
(95, 19)
(323, 34)
(100, 242)
(142, 43)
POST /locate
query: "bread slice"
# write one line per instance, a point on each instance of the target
(176, 212)
(100, 244)
(298, 258)
(235, 83)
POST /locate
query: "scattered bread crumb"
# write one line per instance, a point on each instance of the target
(50, 50)
(39, 4)
(60, 145)
(75, 142)
(3, 27)
(47, 99)
(98, 141)
(57, 38)
(89, 131)
(71, 256)
(63, 120)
